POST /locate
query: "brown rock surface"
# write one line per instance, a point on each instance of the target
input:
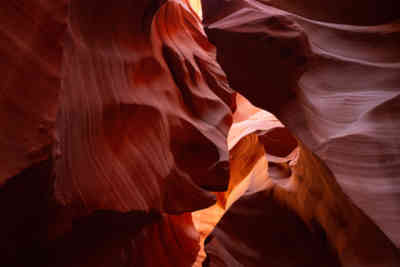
(334, 85)
(145, 121)
(143, 115)
(31, 54)
(118, 145)
(289, 210)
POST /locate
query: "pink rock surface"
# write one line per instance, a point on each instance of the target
(334, 85)
(285, 208)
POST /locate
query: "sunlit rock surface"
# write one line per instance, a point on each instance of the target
(140, 110)
(335, 85)
(286, 209)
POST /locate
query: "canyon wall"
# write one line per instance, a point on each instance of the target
(124, 141)
(115, 120)
(335, 85)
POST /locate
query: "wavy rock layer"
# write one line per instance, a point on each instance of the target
(141, 113)
(335, 86)
(356, 12)
(116, 115)
(287, 208)
(141, 110)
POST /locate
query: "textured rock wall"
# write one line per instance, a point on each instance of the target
(31, 55)
(284, 207)
(119, 127)
(116, 116)
(334, 85)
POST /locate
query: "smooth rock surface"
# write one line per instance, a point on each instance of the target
(334, 85)
(286, 209)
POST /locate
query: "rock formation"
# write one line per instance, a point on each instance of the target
(287, 209)
(119, 114)
(334, 85)
(124, 141)
(31, 53)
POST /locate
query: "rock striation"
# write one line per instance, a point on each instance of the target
(284, 207)
(180, 133)
(121, 132)
(335, 85)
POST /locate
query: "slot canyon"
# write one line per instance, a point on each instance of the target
(189, 133)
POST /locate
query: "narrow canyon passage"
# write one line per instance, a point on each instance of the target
(188, 133)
